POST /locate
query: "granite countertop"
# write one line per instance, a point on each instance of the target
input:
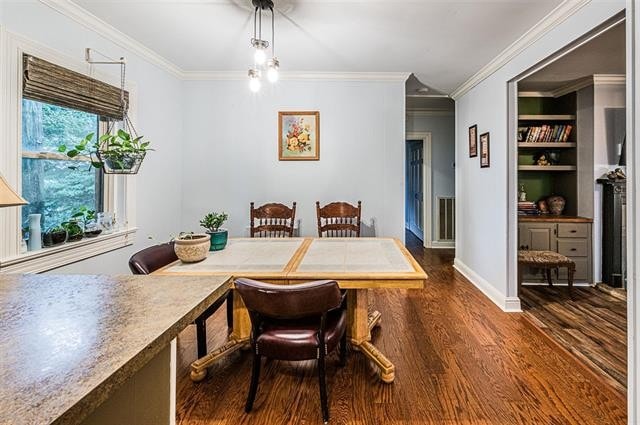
(554, 218)
(67, 342)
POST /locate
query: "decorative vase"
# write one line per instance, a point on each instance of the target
(556, 204)
(218, 239)
(192, 248)
(35, 233)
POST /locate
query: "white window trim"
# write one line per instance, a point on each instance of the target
(119, 191)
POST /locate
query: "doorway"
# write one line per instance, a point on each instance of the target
(418, 186)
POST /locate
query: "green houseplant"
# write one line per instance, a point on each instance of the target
(118, 153)
(88, 219)
(74, 229)
(212, 222)
(54, 236)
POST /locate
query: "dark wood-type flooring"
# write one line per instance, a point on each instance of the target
(459, 360)
(591, 324)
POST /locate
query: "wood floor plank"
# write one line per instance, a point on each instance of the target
(459, 360)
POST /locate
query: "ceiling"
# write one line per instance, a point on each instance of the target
(443, 42)
(604, 54)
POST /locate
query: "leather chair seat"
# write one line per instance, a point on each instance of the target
(298, 340)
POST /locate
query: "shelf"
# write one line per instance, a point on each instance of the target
(553, 145)
(546, 117)
(546, 168)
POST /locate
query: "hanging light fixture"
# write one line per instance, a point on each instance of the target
(261, 48)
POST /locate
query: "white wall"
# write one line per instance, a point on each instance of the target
(442, 129)
(231, 152)
(609, 128)
(482, 194)
(159, 117)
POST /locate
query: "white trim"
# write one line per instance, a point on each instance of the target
(430, 112)
(426, 184)
(633, 220)
(554, 18)
(173, 377)
(603, 79)
(77, 13)
(443, 244)
(507, 304)
(68, 253)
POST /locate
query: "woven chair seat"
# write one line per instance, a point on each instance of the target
(544, 259)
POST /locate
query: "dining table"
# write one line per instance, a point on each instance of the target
(358, 265)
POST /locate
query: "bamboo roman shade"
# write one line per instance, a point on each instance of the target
(47, 82)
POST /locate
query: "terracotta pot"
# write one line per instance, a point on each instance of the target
(556, 204)
(193, 249)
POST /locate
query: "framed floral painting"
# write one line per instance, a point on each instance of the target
(299, 136)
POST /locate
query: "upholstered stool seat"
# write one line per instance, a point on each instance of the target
(546, 260)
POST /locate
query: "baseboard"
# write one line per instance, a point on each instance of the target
(506, 304)
(443, 244)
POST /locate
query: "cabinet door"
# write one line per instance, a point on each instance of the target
(537, 236)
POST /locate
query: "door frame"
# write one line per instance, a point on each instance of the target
(426, 184)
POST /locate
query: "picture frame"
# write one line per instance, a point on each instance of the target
(485, 155)
(298, 135)
(473, 141)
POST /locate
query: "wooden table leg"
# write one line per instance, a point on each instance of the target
(238, 339)
(359, 332)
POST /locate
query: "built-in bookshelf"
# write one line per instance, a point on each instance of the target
(548, 145)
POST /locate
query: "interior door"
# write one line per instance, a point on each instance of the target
(415, 197)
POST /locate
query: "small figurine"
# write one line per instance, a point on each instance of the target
(542, 160)
(522, 195)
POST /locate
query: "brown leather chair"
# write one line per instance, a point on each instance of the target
(295, 322)
(155, 257)
(272, 220)
(339, 219)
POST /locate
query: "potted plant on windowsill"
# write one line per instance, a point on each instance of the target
(88, 219)
(118, 153)
(192, 247)
(56, 235)
(74, 230)
(212, 222)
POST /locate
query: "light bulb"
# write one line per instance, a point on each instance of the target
(259, 57)
(254, 84)
(272, 75)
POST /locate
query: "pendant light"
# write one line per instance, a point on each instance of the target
(261, 48)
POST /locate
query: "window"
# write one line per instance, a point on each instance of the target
(54, 185)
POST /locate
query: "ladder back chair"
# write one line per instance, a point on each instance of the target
(155, 257)
(272, 220)
(339, 220)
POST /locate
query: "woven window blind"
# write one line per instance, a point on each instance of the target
(47, 82)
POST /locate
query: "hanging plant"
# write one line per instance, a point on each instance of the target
(115, 153)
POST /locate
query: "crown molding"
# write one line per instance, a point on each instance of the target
(554, 18)
(429, 112)
(92, 22)
(595, 79)
(299, 75)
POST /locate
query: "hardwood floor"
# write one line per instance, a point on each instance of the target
(592, 325)
(459, 360)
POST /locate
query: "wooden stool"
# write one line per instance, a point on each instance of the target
(546, 260)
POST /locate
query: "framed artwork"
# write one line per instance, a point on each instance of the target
(484, 150)
(473, 141)
(299, 136)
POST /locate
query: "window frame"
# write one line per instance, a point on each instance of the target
(118, 191)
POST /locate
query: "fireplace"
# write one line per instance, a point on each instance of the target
(614, 232)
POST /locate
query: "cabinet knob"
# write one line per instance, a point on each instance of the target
(573, 249)
(574, 231)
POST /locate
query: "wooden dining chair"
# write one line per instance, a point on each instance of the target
(155, 257)
(339, 219)
(296, 322)
(272, 221)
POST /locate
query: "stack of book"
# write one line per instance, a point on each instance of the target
(546, 133)
(527, 208)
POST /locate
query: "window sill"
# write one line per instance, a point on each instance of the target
(68, 253)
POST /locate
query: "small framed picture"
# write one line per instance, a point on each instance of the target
(484, 150)
(473, 141)
(299, 136)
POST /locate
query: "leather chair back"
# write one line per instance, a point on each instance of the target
(289, 301)
(152, 258)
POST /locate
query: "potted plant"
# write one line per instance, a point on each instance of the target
(118, 153)
(212, 222)
(74, 229)
(54, 236)
(88, 219)
(192, 247)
